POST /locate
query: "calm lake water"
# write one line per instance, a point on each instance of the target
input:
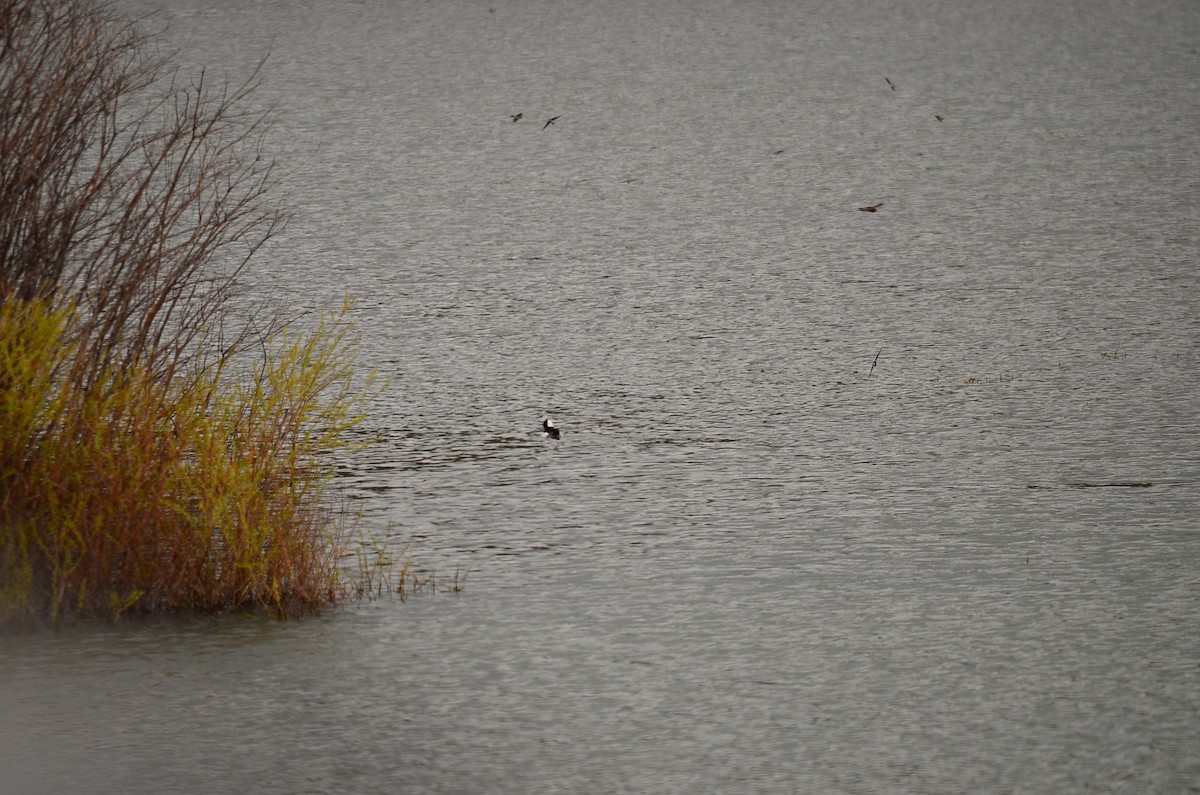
(846, 502)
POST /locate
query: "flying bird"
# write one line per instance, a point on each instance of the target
(939, 118)
(890, 83)
(875, 362)
(551, 121)
(872, 208)
(548, 429)
(518, 116)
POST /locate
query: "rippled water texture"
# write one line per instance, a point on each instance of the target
(846, 502)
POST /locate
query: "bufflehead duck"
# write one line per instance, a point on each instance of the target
(548, 429)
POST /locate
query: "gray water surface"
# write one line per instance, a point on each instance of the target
(846, 502)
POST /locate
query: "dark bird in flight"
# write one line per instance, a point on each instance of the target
(870, 209)
(777, 152)
(890, 83)
(550, 121)
(875, 362)
(518, 116)
(939, 118)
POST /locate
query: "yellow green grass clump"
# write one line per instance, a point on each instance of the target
(203, 493)
(162, 448)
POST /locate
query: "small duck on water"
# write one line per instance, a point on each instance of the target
(548, 429)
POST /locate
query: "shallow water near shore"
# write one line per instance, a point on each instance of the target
(904, 501)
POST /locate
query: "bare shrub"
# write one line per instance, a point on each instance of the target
(155, 454)
(137, 193)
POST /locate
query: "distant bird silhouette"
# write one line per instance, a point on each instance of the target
(551, 121)
(871, 208)
(518, 116)
(874, 362)
(890, 83)
(548, 429)
(777, 152)
(939, 118)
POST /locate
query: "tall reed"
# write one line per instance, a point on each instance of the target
(158, 452)
(203, 493)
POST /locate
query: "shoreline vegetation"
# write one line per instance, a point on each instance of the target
(161, 452)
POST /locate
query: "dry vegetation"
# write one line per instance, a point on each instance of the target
(159, 452)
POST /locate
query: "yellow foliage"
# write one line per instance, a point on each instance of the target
(208, 492)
